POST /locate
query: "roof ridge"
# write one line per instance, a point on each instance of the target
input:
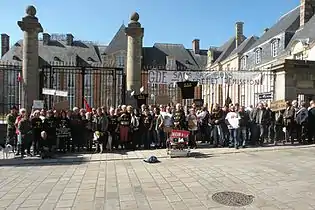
(281, 17)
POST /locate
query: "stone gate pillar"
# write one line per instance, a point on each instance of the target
(30, 67)
(134, 33)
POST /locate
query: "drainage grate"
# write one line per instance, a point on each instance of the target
(232, 198)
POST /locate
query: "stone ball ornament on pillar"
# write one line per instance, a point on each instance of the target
(31, 10)
(134, 17)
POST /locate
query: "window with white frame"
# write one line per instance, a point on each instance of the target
(299, 56)
(258, 56)
(71, 89)
(243, 62)
(274, 47)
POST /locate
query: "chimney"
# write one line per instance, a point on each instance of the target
(5, 44)
(196, 46)
(239, 36)
(46, 38)
(69, 39)
(306, 11)
(266, 29)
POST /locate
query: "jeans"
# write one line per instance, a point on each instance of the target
(158, 137)
(218, 135)
(243, 135)
(234, 137)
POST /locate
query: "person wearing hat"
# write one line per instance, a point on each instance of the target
(10, 119)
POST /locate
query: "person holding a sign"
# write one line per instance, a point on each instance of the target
(179, 118)
(63, 131)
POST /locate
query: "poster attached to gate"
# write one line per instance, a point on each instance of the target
(205, 77)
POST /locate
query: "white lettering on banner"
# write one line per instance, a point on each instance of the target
(206, 77)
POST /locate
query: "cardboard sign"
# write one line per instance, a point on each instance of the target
(162, 99)
(63, 105)
(278, 105)
(38, 104)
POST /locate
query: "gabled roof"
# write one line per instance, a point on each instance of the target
(225, 50)
(58, 51)
(245, 45)
(287, 23)
(179, 52)
(119, 42)
(200, 58)
(306, 32)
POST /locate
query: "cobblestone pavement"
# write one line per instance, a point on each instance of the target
(279, 179)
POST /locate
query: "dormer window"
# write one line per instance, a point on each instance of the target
(57, 59)
(274, 47)
(243, 62)
(16, 58)
(91, 59)
(258, 55)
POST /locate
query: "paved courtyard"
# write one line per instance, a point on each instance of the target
(278, 179)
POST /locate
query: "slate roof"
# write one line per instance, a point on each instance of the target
(306, 32)
(287, 23)
(119, 42)
(185, 57)
(245, 45)
(225, 50)
(58, 51)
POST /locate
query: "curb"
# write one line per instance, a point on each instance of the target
(76, 160)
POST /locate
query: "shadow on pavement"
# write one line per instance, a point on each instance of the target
(71, 159)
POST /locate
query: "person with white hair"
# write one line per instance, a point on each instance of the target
(124, 125)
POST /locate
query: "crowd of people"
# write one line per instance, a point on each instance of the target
(150, 126)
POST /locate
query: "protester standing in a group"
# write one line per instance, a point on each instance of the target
(50, 127)
(11, 134)
(101, 123)
(25, 130)
(37, 126)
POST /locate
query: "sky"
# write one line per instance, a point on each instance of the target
(164, 21)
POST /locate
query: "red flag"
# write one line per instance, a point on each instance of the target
(87, 106)
(19, 77)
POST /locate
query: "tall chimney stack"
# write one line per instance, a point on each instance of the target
(5, 44)
(306, 11)
(196, 46)
(46, 38)
(239, 35)
(69, 39)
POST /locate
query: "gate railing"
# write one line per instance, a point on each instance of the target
(98, 85)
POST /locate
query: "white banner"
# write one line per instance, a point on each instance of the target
(205, 77)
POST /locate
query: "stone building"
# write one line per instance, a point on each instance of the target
(276, 54)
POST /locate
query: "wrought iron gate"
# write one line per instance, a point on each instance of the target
(98, 85)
